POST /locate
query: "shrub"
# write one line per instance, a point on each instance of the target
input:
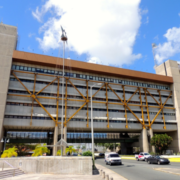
(87, 153)
(11, 152)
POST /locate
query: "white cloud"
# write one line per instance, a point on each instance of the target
(144, 11)
(169, 48)
(31, 34)
(105, 30)
(1, 7)
(179, 14)
(147, 20)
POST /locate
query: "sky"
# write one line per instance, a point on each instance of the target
(116, 33)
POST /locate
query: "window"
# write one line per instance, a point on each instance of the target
(29, 68)
(17, 67)
(33, 69)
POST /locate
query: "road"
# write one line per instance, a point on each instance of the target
(140, 170)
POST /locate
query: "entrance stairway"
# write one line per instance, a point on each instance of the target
(9, 172)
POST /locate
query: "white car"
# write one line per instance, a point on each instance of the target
(143, 156)
(112, 158)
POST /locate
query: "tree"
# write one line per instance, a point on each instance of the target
(11, 152)
(70, 149)
(161, 142)
(84, 147)
(22, 148)
(40, 150)
(111, 145)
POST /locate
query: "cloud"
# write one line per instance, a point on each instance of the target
(31, 34)
(144, 11)
(105, 30)
(179, 14)
(169, 48)
(147, 20)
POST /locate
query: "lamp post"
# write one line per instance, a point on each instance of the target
(92, 130)
(64, 39)
(4, 140)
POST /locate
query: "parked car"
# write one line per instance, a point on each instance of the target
(112, 158)
(142, 156)
(101, 154)
(157, 160)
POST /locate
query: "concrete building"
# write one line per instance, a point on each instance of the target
(128, 107)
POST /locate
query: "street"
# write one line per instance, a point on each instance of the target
(140, 170)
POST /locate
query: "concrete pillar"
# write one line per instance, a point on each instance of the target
(151, 135)
(65, 138)
(8, 39)
(144, 146)
(123, 148)
(55, 140)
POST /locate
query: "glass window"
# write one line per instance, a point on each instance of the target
(87, 77)
(13, 67)
(105, 79)
(17, 67)
(102, 79)
(90, 77)
(60, 73)
(33, 69)
(111, 80)
(49, 71)
(56, 72)
(38, 70)
(80, 76)
(45, 70)
(74, 75)
(21, 68)
(52, 72)
(97, 78)
(25, 68)
(108, 80)
(84, 76)
(29, 68)
(94, 78)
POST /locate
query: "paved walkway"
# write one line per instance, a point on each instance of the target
(54, 177)
(169, 170)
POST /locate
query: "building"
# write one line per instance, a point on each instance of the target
(128, 107)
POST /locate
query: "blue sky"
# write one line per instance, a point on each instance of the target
(117, 34)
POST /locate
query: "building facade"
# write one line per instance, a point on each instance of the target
(124, 101)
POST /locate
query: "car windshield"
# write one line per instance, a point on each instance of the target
(114, 155)
(146, 154)
(157, 157)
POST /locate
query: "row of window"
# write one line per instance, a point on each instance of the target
(84, 87)
(67, 74)
(73, 119)
(84, 108)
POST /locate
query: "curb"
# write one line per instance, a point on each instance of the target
(104, 172)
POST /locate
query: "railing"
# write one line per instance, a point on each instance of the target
(9, 165)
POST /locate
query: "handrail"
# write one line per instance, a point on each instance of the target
(7, 164)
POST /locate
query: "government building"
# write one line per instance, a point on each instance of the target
(129, 107)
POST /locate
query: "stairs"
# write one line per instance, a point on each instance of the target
(10, 173)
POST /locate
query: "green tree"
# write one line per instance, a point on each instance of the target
(40, 150)
(70, 149)
(161, 142)
(22, 148)
(11, 152)
(110, 145)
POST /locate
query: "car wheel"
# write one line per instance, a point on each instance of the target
(120, 163)
(145, 160)
(106, 163)
(137, 159)
(149, 162)
(110, 164)
(159, 162)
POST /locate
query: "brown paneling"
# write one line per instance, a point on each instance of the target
(31, 58)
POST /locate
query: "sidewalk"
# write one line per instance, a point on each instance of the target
(110, 173)
(169, 170)
(54, 177)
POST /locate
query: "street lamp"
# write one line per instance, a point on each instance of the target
(64, 39)
(92, 130)
(4, 140)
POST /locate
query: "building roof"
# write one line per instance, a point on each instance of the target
(43, 60)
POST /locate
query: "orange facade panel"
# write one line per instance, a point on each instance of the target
(43, 60)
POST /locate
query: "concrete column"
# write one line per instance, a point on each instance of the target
(123, 148)
(55, 140)
(65, 138)
(8, 39)
(145, 145)
(151, 135)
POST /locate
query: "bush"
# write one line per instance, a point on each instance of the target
(87, 153)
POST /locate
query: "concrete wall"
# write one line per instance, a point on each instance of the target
(170, 68)
(51, 165)
(8, 38)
